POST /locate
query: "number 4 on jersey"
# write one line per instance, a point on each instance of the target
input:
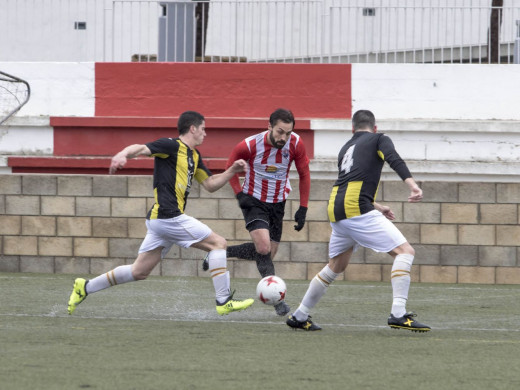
(348, 160)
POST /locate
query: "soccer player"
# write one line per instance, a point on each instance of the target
(357, 220)
(264, 191)
(177, 162)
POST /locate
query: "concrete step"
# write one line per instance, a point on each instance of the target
(97, 165)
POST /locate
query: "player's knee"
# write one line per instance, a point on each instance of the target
(407, 249)
(220, 242)
(263, 248)
(140, 274)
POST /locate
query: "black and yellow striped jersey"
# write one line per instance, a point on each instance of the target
(175, 166)
(360, 162)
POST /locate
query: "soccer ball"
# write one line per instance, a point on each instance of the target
(271, 290)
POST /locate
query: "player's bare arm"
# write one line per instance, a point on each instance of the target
(215, 182)
(385, 210)
(416, 193)
(131, 151)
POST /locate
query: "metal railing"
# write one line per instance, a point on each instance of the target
(307, 31)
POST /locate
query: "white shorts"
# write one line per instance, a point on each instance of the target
(371, 230)
(182, 230)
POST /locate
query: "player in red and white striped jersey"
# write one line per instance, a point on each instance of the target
(268, 176)
(266, 187)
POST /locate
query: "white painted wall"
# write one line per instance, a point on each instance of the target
(27, 136)
(57, 88)
(445, 150)
(437, 91)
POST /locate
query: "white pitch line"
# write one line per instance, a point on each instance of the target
(375, 327)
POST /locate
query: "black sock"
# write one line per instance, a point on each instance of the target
(264, 264)
(243, 251)
(247, 251)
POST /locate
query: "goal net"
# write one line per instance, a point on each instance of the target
(14, 93)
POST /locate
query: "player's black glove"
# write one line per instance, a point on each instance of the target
(299, 218)
(245, 201)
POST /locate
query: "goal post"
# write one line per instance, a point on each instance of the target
(14, 93)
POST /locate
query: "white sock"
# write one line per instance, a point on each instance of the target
(316, 290)
(119, 275)
(400, 283)
(219, 274)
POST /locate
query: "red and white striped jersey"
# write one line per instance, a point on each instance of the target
(268, 176)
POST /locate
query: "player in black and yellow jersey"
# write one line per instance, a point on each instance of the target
(177, 163)
(357, 220)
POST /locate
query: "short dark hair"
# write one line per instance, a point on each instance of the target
(282, 114)
(187, 119)
(363, 119)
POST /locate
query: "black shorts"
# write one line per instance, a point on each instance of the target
(265, 216)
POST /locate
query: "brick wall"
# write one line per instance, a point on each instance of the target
(462, 232)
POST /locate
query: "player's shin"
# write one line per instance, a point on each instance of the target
(119, 275)
(265, 265)
(219, 274)
(400, 278)
(316, 290)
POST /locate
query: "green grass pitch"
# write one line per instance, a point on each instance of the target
(164, 333)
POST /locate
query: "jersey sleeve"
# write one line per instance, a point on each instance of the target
(201, 172)
(240, 151)
(388, 153)
(162, 147)
(301, 161)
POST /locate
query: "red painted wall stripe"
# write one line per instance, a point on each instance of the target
(92, 165)
(223, 90)
(102, 136)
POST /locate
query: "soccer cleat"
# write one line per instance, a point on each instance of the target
(407, 322)
(78, 294)
(232, 305)
(307, 325)
(282, 308)
(205, 263)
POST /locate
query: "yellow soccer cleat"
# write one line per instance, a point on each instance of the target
(78, 294)
(232, 305)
